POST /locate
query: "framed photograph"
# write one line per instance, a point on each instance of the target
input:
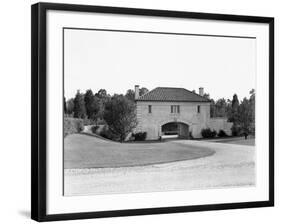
(141, 111)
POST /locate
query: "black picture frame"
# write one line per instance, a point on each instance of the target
(39, 122)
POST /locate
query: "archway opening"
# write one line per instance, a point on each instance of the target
(175, 130)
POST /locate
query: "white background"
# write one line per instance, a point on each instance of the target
(15, 111)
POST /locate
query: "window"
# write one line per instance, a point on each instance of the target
(198, 109)
(175, 109)
(149, 109)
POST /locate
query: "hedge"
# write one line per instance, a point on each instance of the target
(139, 136)
(208, 133)
(222, 133)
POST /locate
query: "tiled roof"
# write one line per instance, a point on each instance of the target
(170, 94)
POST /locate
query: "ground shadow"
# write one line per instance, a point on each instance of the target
(24, 213)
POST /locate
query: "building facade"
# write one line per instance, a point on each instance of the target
(166, 111)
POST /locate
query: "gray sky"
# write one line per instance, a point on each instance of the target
(116, 61)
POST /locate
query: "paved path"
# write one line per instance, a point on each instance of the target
(230, 166)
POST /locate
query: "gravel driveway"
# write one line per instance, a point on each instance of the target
(231, 166)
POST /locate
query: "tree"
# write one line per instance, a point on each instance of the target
(102, 94)
(130, 94)
(233, 116)
(79, 106)
(252, 109)
(91, 105)
(245, 117)
(221, 108)
(120, 116)
(64, 106)
(143, 91)
(233, 113)
(206, 95)
(70, 106)
(102, 97)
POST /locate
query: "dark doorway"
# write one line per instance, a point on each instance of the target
(177, 129)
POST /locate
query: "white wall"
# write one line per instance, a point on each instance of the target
(15, 110)
(219, 123)
(161, 114)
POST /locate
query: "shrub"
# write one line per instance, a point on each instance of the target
(222, 133)
(88, 122)
(235, 130)
(190, 135)
(107, 133)
(94, 128)
(214, 134)
(72, 125)
(208, 133)
(139, 136)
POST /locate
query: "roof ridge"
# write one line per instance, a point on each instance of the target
(196, 94)
(182, 88)
(169, 87)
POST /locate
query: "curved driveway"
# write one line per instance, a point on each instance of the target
(230, 166)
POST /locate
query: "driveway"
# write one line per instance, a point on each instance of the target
(230, 166)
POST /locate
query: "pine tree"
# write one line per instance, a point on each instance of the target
(79, 106)
(245, 115)
(252, 109)
(234, 116)
(91, 105)
(234, 109)
(70, 106)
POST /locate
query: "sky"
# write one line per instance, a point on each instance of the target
(117, 61)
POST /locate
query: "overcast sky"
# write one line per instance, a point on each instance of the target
(116, 61)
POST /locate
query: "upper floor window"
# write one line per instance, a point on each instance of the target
(149, 109)
(198, 109)
(175, 109)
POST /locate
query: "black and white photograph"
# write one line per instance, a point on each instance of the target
(152, 111)
(141, 111)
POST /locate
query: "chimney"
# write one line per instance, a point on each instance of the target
(201, 91)
(137, 91)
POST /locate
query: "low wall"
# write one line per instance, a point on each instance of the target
(220, 124)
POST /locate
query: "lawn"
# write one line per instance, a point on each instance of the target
(84, 151)
(236, 141)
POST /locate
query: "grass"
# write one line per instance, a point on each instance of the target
(85, 151)
(235, 140)
(242, 141)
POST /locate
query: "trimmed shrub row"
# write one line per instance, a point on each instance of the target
(208, 133)
(222, 133)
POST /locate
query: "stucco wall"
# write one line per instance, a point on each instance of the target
(220, 124)
(161, 114)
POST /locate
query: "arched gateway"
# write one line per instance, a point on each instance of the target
(177, 129)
